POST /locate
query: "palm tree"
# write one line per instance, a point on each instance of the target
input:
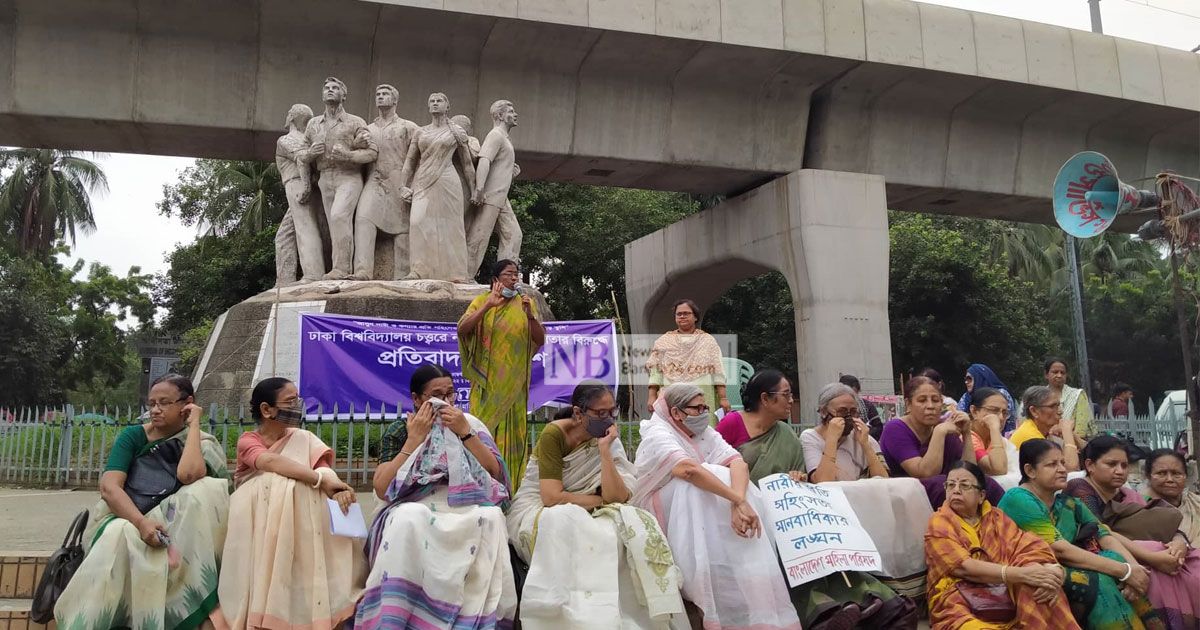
(250, 196)
(47, 196)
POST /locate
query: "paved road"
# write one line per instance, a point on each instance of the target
(37, 519)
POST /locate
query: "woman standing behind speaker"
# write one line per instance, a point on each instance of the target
(1075, 404)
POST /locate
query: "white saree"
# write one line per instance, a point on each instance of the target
(609, 569)
(735, 581)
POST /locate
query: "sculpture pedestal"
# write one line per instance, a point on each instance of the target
(260, 337)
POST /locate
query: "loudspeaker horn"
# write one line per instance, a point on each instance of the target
(1088, 195)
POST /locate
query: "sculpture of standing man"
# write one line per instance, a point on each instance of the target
(381, 207)
(437, 234)
(299, 235)
(496, 170)
(339, 145)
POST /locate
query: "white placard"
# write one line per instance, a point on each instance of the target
(816, 531)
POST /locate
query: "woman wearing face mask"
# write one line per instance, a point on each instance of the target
(438, 546)
(841, 448)
(588, 554)
(925, 443)
(699, 489)
(1151, 535)
(155, 544)
(497, 338)
(282, 565)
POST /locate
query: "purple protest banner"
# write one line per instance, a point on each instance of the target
(359, 361)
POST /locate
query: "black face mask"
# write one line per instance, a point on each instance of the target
(291, 416)
(597, 427)
(847, 429)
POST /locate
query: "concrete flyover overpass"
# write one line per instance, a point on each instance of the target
(939, 109)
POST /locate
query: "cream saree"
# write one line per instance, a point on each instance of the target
(735, 581)
(125, 583)
(283, 568)
(612, 568)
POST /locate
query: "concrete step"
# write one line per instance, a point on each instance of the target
(14, 615)
(20, 572)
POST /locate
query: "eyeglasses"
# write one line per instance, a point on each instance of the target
(447, 396)
(163, 404)
(843, 413)
(999, 411)
(604, 413)
(1164, 474)
(683, 314)
(701, 408)
(786, 393)
(965, 486)
(1056, 405)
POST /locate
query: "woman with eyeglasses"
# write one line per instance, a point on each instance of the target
(1150, 532)
(988, 408)
(280, 521)
(688, 355)
(498, 336)
(980, 376)
(438, 546)
(593, 561)
(926, 441)
(850, 598)
(1104, 584)
(840, 447)
(1044, 419)
(1167, 472)
(970, 545)
(698, 487)
(154, 546)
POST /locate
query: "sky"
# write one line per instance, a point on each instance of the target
(131, 232)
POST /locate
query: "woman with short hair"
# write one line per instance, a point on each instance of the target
(280, 521)
(1152, 536)
(840, 447)
(592, 559)
(698, 487)
(1104, 583)
(970, 544)
(1044, 419)
(154, 547)
(438, 544)
(1166, 471)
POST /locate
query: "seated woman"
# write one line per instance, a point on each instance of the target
(1168, 477)
(280, 520)
(732, 428)
(699, 489)
(988, 408)
(1105, 585)
(1151, 536)
(1044, 419)
(840, 448)
(971, 543)
(607, 568)
(924, 443)
(844, 600)
(154, 548)
(980, 376)
(438, 546)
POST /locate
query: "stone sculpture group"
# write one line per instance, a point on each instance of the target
(436, 189)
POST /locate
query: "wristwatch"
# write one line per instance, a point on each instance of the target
(469, 435)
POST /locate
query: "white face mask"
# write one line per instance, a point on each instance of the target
(696, 424)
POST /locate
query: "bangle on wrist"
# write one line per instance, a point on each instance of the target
(405, 453)
(1004, 573)
(1128, 572)
(320, 478)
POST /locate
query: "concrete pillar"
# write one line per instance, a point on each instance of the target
(825, 231)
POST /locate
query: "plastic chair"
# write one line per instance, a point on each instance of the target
(737, 374)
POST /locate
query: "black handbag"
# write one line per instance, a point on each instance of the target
(153, 477)
(59, 569)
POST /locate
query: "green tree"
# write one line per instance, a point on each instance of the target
(759, 311)
(47, 197)
(216, 272)
(952, 304)
(227, 195)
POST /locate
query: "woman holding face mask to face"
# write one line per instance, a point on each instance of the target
(282, 565)
(588, 553)
(698, 487)
(437, 544)
(840, 448)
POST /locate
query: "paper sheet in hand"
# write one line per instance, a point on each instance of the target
(816, 531)
(351, 525)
